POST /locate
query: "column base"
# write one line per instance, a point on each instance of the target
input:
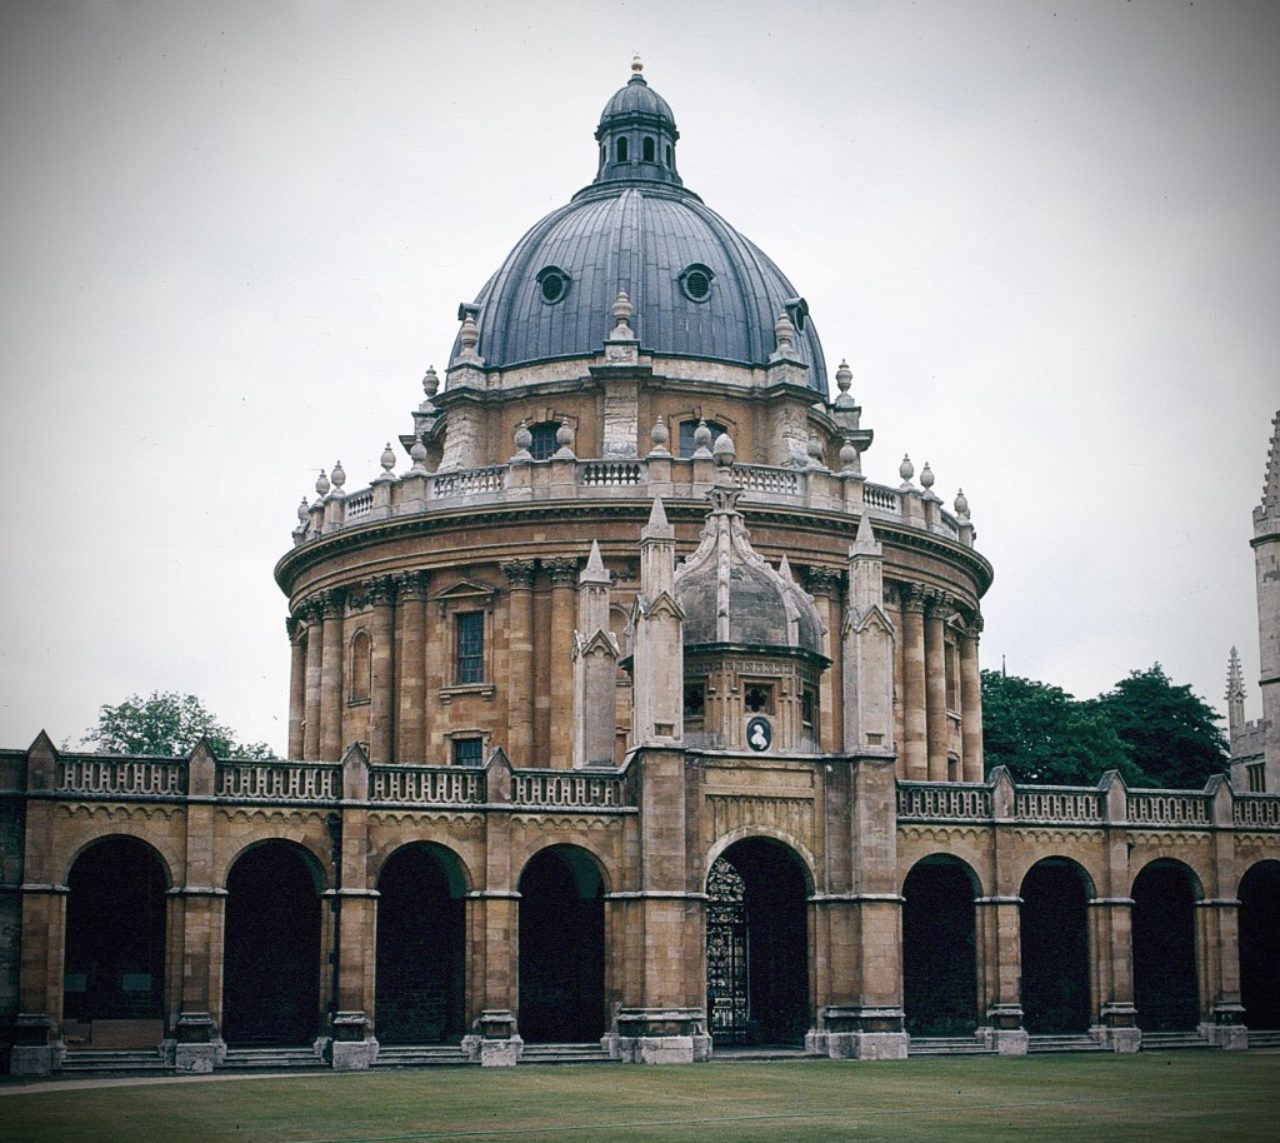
(494, 1041)
(1230, 1037)
(352, 1048)
(1119, 1029)
(38, 1049)
(859, 1032)
(659, 1036)
(1005, 1041)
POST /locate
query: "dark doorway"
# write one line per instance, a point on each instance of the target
(1055, 948)
(115, 934)
(939, 969)
(757, 945)
(271, 963)
(1260, 945)
(421, 942)
(561, 948)
(1164, 949)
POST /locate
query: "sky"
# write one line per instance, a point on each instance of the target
(1044, 235)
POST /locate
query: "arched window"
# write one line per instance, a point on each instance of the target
(668, 154)
(361, 667)
(543, 444)
(620, 151)
(648, 150)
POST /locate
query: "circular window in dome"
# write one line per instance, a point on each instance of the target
(695, 282)
(553, 284)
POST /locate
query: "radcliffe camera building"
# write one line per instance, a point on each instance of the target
(630, 718)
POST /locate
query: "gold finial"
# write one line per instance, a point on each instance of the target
(636, 65)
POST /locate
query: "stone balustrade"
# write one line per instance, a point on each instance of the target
(568, 788)
(1168, 808)
(426, 785)
(278, 781)
(943, 801)
(670, 477)
(121, 777)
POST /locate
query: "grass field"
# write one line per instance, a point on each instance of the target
(1175, 1096)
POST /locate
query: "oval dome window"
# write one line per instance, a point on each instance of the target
(553, 284)
(695, 282)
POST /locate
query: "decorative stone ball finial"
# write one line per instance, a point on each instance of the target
(304, 513)
(469, 335)
(785, 332)
(636, 65)
(906, 469)
(523, 437)
(322, 484)
(962, 505)
(622, 311)
(660, 435)
(849, 457)
(430, 382)
(702, 439)
(844, 377)
(339, 475)
(564, 439)
(926, 476)
(814, 449)
(388, 458)
(724, 453)
(418, 454)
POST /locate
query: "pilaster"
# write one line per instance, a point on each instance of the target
(311, 614)
(333, 605)
(915, 747)
(382, 674)
(520, 684)
(411, 593)
(971, 701)
(937, 608)
(563, 572)
(297, 684)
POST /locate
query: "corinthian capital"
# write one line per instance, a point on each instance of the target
(519, 573)
(563, 570)
(381, 591)
(412, 586)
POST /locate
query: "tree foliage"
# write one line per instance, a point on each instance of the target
(1169, 733)
(1042, 734)
(166, 723)
(1153, 732)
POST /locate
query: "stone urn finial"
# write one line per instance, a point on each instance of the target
(418, 454)
(962, 505)
(724, 452)
(430, 382)
(906, 469)
(469, 335)
(564, 441)
(388, 459)
(926, 477)
(339, 475)
(622, 311)
(702, 439)
(523, 438)
(660, 435)
(322, 484)
(304, 513)
(814, 449)
(785, 334)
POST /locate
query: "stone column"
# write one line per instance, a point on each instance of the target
(37, 1034)
(971, 701)
(1111, 972)
(938, 606)
(297, 684)
(333, 603)
(311, 701)
(824, 585)
(915, 745)
(1218, 961)
(563, 572)
(382, 693)
(998, 940)
(520, 682)
(411, 590)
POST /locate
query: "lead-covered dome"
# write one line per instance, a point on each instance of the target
(699, 288)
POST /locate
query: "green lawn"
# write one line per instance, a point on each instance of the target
(1175, 1096)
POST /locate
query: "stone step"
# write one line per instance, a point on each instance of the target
(565, 1054)
(1065, 1043)
(1264, 1038)
(85, 1060)
(419, 1055)
(272, 1058)
(1172, 1041)
(948, 1046)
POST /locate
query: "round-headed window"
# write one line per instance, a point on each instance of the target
(553, 284)
(695, 282)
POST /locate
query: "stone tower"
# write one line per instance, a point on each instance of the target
(1266, 554)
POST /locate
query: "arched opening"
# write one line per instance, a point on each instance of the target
(1055, 948)
(421, 947)
(561, 947)
(361, 667)
(1164, 948)
(620, 150)
(757, 945)
(271, 961)
(1260, 945)
(647, 149)
(113, 991)
(939, 965)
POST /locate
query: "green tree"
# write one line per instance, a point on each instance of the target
(1042, 734)
(165, 722)
(1169, 733)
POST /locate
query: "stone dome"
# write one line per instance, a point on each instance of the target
(699, 288)
(731, 595)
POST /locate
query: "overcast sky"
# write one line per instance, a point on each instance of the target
(1044, 235)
